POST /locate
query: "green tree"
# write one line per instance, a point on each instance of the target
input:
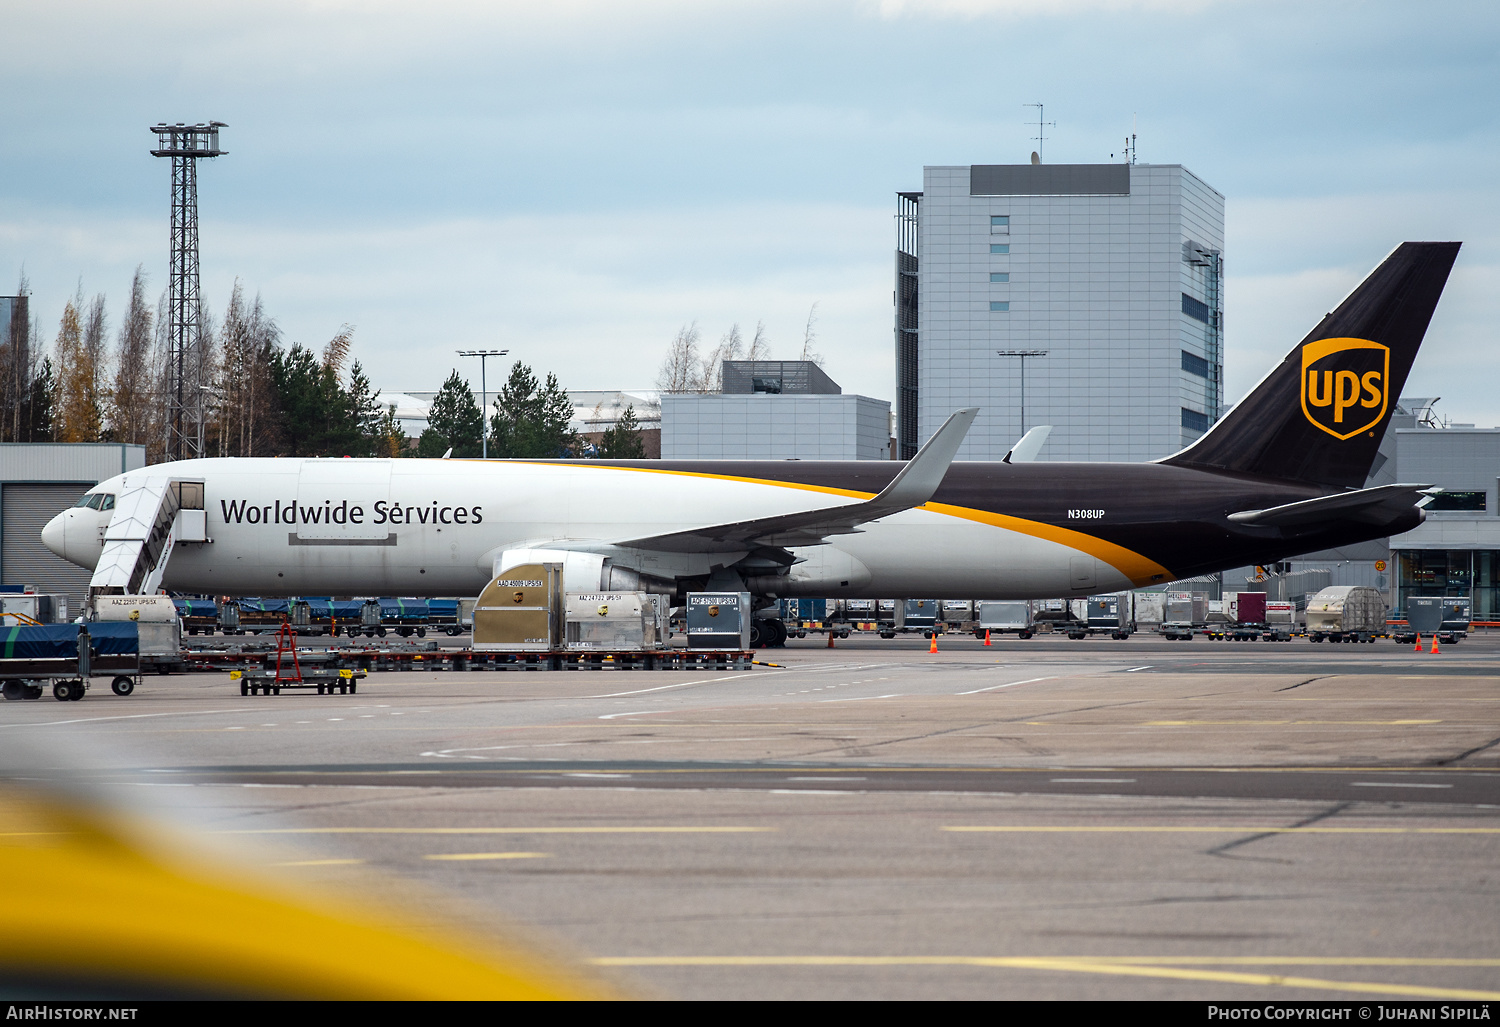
(623, 441)
(454, 421)
(297, 378)
(36, 421)
(365, 413)
(531, 418)
(390, 436)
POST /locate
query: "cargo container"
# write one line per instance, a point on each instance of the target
(956, 614)
(1149, 610)
(1183, 614)
(862, 614)
(262, 615)
(158, 629)
(1281, 621)
(1346, 613)
(718, 620)
(611, 622)
(1447, 617)
(913, 615)
(34, 607)
(406, 616)
(1003, 617)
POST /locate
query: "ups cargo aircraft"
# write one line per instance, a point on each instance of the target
(1280, 474)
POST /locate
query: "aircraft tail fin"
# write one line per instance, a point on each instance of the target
(1319, 415)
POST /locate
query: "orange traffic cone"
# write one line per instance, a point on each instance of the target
(933, 648)
(1434, 642)
(830, 640)
(1419, 642)
(986, 636)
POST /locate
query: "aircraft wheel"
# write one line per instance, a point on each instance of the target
(122, 685)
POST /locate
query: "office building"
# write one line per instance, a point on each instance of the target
(1102, 284)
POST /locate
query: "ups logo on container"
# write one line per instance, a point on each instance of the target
(1345, 387)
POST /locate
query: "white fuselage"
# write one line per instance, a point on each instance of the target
(436, 527)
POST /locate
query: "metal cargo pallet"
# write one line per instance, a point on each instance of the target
(327, 665)
(260, 681)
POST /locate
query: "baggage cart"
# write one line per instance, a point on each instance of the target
(68, 656)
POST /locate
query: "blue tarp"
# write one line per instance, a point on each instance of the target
(443, 609)
(196, 608)
(60, 641)
(253, 605)
(410, 611)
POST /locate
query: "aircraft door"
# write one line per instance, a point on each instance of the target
(1083, 572)
(336, 503)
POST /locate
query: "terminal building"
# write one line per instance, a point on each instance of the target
(1085, 296)
(774, 410)
(37, 482)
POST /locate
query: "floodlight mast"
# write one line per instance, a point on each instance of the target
(484, 400)
(1022, 354)
(185, 144)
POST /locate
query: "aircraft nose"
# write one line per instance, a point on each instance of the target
(54, 536)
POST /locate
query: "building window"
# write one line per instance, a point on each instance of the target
(999, 224)
(1458, 501)
(999, 247)
(1194, 364)
(1194, 421)
(1000, 305)
(999, 276)
(1195, 309)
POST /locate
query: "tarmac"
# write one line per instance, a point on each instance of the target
(1035, 819)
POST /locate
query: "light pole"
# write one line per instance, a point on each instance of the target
(1022, 354)
(484, 400)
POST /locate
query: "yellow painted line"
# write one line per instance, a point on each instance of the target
(459, 856)
(1065, 964)
(319, 863)
(499, 830)
(1264, 723)
(1227, 829)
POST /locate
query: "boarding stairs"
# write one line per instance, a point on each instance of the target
(153, 514)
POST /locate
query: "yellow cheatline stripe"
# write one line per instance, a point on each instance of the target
(1139, 569)
(1066, 964)
(118, 910)
(457, 856)
(1227, 829)
(499, 830)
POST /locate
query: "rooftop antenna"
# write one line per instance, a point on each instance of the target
(185, 144)
(1130, 143)
(1041, 127)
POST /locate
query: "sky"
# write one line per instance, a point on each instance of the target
(577, 180)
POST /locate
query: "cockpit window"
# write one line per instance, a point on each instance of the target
(91, 501)
(100, 501)
(107, 501)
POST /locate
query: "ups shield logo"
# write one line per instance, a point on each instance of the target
(1345, 385)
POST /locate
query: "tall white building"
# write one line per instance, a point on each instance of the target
(1113, 271)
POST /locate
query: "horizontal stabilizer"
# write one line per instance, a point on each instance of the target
(1377, 506)
(912, 487)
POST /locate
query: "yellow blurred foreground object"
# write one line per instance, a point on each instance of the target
(87, 908)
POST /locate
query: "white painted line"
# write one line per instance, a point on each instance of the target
(637, 713)
(132, 716)
(662, 688)
(862, 698)
(1008, 684)
(1393, 784)
(1132, 670)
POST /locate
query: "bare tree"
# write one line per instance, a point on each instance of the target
(682, 371)
(808, 337)
(760, 346)
(15, 364)
(131, 410)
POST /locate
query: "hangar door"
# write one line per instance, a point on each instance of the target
(25, 510)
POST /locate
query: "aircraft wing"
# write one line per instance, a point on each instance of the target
(1375, 505)
(912, 487)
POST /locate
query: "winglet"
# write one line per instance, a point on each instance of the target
(1029, 445)
(923, 473)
